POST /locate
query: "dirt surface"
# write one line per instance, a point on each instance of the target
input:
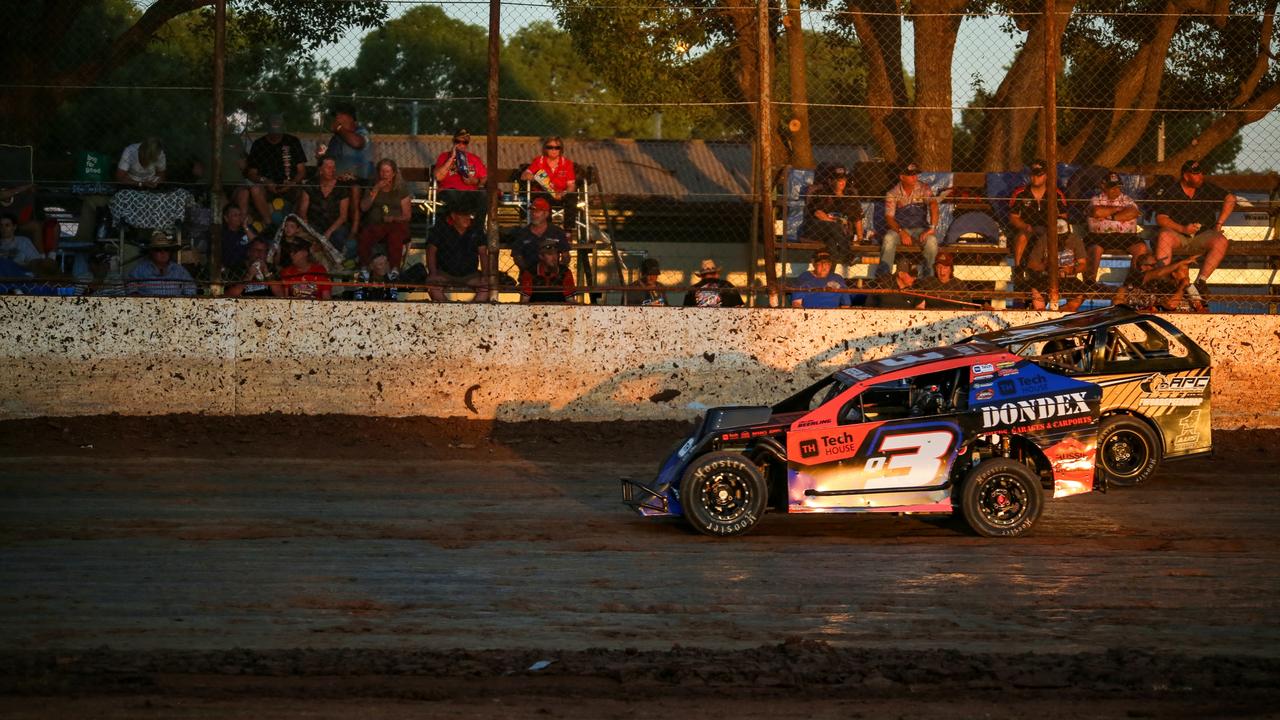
(189, 566)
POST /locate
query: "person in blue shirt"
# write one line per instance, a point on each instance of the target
(813, 288)
(158, 274)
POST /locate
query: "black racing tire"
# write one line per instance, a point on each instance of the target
(723, 494)
(1129, 451)
(1001, 498)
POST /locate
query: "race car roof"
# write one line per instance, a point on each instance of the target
(970, 351)
(1089, 320)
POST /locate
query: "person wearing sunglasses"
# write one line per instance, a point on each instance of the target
(553, 178)
(1029, 211)
(460, 175)
(1190, 214)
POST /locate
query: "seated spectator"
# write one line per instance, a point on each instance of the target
(460, 176)
(943, 291)
(1151, 287)
(898, 287)
(457, 255)
(352, 152)
(554, 179)
(158, 274)
(276, 169)
(378, 275)
(529, 239)
(646, 291)
(18, 248)
(294, 230)
(911, 216)
(819, 288)
(104, 275)
(303, 278)
(550, 281)
(831, 216)
(387, 207)
(1029, 210)
(257, 277)
(711, 291)
(236, 236)
(325, 206)
(1071, 262)
(1191, 214)
(1113, 225)
(142, 165)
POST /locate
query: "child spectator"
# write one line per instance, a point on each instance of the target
(304, 278)
(646, 291)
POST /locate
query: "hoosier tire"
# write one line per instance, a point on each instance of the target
(1128, 451)
(1001, 498)
(723, 494)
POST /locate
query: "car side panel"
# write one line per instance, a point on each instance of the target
(1178, 403)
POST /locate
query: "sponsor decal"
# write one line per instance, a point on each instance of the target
(841, 444)
(809, 448)
(900, 360)
(810, 423)
(1006, 372)
(859, 374)
(1188, 431)
(686, 447)
(985, 394)
(1171, 402)
(1062, 406)
(1032, 383)
(1181, 385)
(984, 369)
(747, 434)
(1007, 387)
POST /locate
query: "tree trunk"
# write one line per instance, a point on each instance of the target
(797, 67)
(936, 24)
(880, 34)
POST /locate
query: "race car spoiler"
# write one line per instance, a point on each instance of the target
(643, 499)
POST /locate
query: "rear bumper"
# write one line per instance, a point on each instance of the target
(644, 500)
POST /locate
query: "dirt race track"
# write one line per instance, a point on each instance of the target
(340, 567)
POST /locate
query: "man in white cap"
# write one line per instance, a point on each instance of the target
(711, 291)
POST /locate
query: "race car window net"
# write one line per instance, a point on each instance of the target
(1070, 353)
(1147, 340)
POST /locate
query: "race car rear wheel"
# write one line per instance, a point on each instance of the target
(723, 493)
(1001, 498)
(1128, 451)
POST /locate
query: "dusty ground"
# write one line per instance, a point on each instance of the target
(331, 567)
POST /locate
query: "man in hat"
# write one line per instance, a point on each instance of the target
(944, 290)
(1028, 209)
(1071, 262)
(818, 287)
(832, 215)
(711, 291)
(158, 274)
(352, 153)
(460, 175)
(457, 256)
(1113, 226)
(550, 281)
(896, 286)
(911, 216)
(529, 238)
(646, 291)
(1191, 214)
(277, 166)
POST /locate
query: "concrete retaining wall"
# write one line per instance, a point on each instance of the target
(136, 356)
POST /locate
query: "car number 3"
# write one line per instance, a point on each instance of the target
(909, 459)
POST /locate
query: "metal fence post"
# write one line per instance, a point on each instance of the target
(764, 133)
(491, 148)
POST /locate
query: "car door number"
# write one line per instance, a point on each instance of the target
(908, 459)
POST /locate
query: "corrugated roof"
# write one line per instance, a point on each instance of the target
(686, 170)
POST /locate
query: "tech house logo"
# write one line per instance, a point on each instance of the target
(808, 448)
(1029, 411)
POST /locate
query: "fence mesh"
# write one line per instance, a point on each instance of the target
(657, 105)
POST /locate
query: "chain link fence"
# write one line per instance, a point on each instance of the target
(905, 147)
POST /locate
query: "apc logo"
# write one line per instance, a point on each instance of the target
(808, 448)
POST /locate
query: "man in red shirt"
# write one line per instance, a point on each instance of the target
(460, 176)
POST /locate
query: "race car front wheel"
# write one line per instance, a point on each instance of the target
(1001, 498)
(723, 493)
(1128, 451)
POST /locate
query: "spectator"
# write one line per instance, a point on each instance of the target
(158, 274)
(944, 290)
(257, 276)
(457, 255)
(911, 215)
(1028, 210)
(294, 230)
(550, 281)
(325, 205)
(142, 165)
(303, 278)
(554, 179)
(528, 239)
(1071, 262)
(897, 287)
(387, 208)
(831, 216)
(277, 167)
(1113, 224)
(17, 248)
(1191, 215)
(380, 273)
(711, 291)
(646, 291)
(819, 288)
(1151, 287)
(352, 152)
(236, 236)
(104, 275)
(460, 176)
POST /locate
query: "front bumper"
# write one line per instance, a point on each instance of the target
(646, 501)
